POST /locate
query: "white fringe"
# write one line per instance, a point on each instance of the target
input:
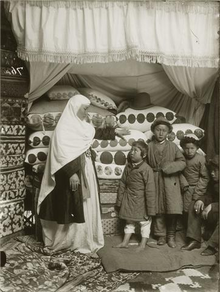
(205, 62)
(205, 7)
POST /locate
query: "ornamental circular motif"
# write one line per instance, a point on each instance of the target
(169, 116)
(150, 117)
(140, 118)
(106, 157)
(122, 119)
(131, 119)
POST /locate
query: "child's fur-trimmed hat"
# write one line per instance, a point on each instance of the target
(161, 121)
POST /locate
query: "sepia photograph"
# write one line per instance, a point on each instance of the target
(109, 145)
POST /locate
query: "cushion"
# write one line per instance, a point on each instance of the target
(142, 119)
(40, 139)
(61, 92)
(47, 121)
(45, 105)
(118, 143)
(111, 171)
(108, 198)
(36, 156)
(97, 116)
(99, 99)
(110, 157)
(179, 130)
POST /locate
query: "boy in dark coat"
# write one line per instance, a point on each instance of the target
(167, 162)
(205, 208)
(196, 173)
(136, 195)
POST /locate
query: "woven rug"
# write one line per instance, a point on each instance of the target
(31, 268)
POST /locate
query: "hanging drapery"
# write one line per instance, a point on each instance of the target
(43, 76)
(197, 83)
(171, 33)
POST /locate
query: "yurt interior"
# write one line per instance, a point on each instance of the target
(99, 81)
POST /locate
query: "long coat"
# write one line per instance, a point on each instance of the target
(196, 173)
(136, 193)
(63, 205)
(167, 162)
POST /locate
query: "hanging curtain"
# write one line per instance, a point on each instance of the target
(125, 83)
(196, 83)
(170, 33)
(43, 76)
(210, 123)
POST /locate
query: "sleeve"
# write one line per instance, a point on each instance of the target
(215, 207)
(105, 133)
(177, 165)
(72, 167)
(121, 188)
(203, 181)
(207, 198)
(150, 192)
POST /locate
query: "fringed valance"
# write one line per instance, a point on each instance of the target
(170, 33)
(185, 6)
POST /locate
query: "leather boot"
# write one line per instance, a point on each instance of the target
(171, 230)
(171, 241)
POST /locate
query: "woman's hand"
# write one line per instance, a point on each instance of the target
(206, 211)
(74, 182)
(121, 132)
(198, 206)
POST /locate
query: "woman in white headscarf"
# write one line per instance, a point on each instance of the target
(68, 203)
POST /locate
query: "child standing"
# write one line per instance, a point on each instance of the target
(196, 173)
(167, 162)
(136, 195)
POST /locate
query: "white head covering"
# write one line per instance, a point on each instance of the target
(70, 139)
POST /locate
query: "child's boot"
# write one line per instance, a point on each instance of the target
(171, 231)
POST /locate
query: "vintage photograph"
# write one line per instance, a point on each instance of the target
(109, 146)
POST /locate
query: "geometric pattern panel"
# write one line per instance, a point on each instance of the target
(12, 151)
(13, 110)
(112, 226)
(12, 130)
(12, 160)
(14, 87)
(10, 59)
(11, 218)
(108, 198)
(12, 184)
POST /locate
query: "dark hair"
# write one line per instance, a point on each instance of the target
(213, 162)
(142, 146)
(187, 140)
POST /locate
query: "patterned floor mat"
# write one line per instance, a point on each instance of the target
(204, 279)
(31, 268)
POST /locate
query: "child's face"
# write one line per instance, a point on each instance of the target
(135, 154)
(215, 174)
(190, 150)
(161, 132)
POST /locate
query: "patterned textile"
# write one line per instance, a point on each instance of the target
(9, 59)
(186, 280)
(12, 151)
(13, 110)
(30, 267)
(11, 219)
(14, 87)
(12, 184)
(13, 130)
